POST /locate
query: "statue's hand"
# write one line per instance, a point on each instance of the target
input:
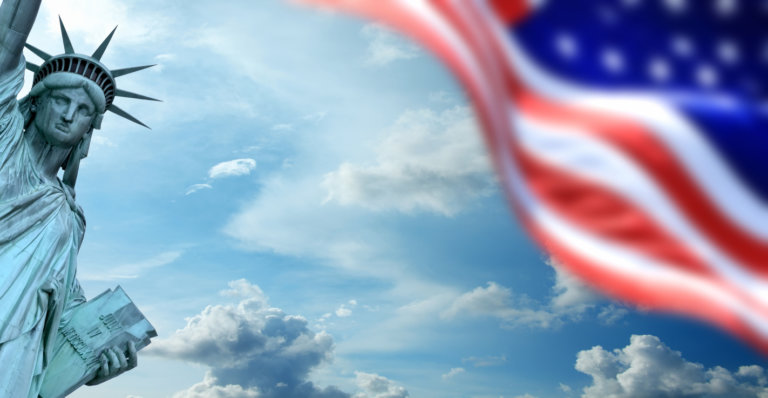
(115, 361)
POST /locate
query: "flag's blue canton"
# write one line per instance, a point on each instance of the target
(707, 57)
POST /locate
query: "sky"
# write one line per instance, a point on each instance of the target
(313, 214)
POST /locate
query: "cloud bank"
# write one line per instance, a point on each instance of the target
(649, 368)
(252, 350)
(257, 351)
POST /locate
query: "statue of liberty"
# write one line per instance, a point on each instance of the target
(41, 226)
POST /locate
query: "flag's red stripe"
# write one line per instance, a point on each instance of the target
(604, 213)
(510, 11)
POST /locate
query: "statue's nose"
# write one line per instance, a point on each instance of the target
(68, 114)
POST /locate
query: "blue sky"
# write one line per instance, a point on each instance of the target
(313, 215)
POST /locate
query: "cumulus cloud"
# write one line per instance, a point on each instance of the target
(375, 386)
(252, 350)
(385, 47)
(430, 161)
(649, 368)
(453, 373)
(232, 168)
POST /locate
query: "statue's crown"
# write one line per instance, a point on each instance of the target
(89, 67)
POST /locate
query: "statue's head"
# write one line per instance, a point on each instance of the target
(77, 77)
(65, 108)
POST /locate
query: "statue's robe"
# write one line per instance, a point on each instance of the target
(41, 229)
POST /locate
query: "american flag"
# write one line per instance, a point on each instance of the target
(631, 137)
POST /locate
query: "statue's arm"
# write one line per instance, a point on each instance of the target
(16, 19)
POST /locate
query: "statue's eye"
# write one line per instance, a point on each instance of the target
(60, 101)
(84, 112)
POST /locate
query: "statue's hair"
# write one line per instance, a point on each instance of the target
(64, 80)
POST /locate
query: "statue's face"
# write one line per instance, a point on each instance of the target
(64, 115)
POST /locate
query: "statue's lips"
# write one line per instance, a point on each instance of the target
(62, 127)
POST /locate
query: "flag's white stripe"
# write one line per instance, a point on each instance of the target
(612, 258)
(703, 163)
(589, 157)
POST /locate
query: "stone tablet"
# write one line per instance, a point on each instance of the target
(111, 319)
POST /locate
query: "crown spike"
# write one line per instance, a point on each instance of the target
(34, 68)
(128, 94)
(122, 72)
(103, 46)
(40, 53)
(68, 49)
(112, 108)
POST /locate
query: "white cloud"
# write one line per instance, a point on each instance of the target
(497, 301)
(241, 288)
(385, 47)
(252, 350)
(282, 127)
(375, 386)
(649, 368)
(197, 187)
(453, 373)
(343, 312)
(430, 161)
(130, 270)
(565, 388)
(232, 168)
